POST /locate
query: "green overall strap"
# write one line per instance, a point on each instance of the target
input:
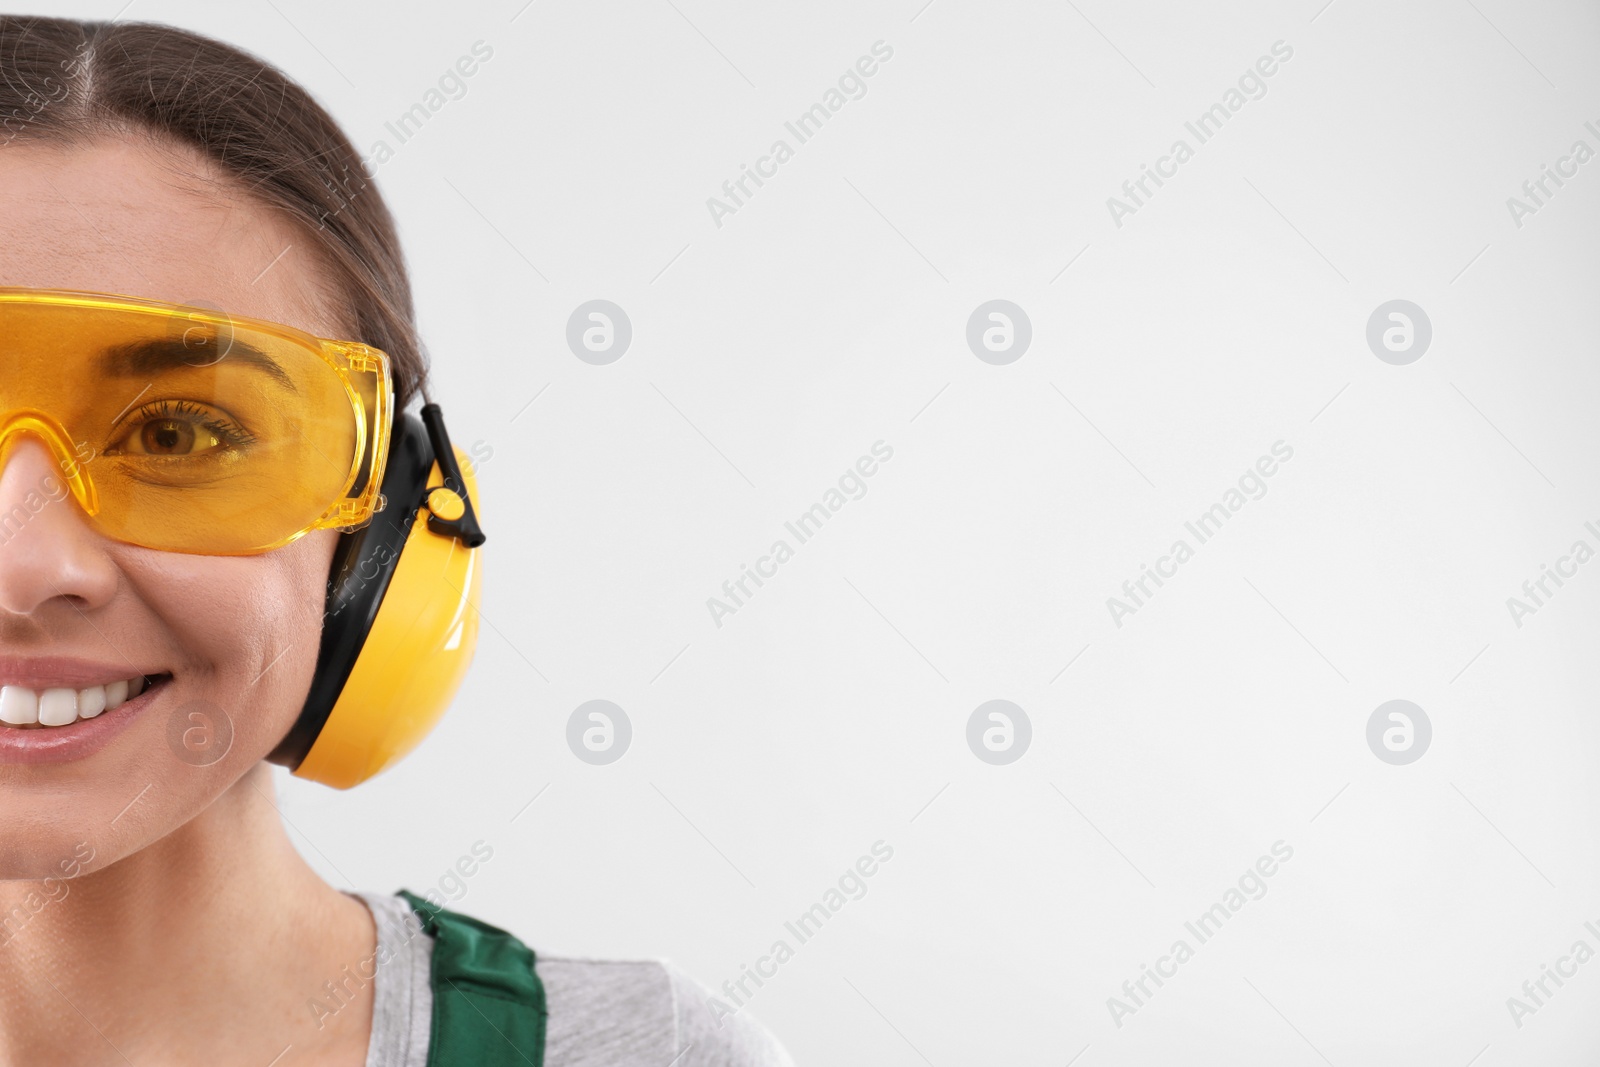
(488, 1001)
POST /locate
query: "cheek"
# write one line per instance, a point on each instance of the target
(245, 630)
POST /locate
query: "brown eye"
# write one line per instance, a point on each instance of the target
(179, 429)
(167, 437)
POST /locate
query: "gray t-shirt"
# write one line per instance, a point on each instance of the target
(603, 1013)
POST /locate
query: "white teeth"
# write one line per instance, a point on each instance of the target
(58, 707)
(91, 701)
(19, 706)
(61, 706)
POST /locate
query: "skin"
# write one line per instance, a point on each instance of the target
(196, 934)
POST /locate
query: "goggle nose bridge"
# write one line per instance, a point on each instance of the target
(55, 438)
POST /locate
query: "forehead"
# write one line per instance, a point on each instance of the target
(132, 217)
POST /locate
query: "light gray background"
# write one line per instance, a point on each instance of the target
(1167, 355)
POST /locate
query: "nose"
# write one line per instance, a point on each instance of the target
(47, 548)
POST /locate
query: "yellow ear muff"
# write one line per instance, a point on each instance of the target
(401, 622)
(415, 654)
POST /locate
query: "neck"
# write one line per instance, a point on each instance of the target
(207, 946)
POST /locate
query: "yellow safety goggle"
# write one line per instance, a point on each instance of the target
(186, 429)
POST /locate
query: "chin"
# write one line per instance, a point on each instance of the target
(48, 854)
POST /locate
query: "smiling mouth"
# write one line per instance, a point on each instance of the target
(22, 708)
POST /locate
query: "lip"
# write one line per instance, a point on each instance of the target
(46, 672)
(62, 744)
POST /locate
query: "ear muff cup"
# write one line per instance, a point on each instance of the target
(399, 630)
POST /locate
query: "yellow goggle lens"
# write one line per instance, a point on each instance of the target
(188, 430)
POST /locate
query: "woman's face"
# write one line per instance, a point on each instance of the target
(238, 634)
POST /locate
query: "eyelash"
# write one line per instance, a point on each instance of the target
(228, 431)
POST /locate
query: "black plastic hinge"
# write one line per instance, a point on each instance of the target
(465, 529)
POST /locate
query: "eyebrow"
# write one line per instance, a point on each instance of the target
(145, 359)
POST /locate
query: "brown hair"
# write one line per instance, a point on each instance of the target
(62, 79)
